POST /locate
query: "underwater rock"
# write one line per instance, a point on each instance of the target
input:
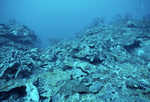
(18, 34)
(87, 81)
(72, 87)
(96, 86)
(143, 52)
(32, 93)
(77, 73)
(109, 88)
(106, 63)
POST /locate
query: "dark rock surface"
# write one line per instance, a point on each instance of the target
(17, 34)
(109, 63)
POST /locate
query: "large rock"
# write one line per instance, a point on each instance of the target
(18, 34)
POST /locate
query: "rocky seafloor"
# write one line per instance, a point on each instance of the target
(108, 63)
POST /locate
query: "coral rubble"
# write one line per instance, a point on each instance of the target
(108, 63)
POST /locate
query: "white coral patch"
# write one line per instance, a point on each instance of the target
(140, 52)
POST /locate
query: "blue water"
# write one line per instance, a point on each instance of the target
(61, 19)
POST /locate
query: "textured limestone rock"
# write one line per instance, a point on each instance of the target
(106, 63)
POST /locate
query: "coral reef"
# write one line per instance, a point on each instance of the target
(107, 63)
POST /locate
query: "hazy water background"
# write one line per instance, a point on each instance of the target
(63, 18)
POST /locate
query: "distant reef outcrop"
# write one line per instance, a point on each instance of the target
(108, 63)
